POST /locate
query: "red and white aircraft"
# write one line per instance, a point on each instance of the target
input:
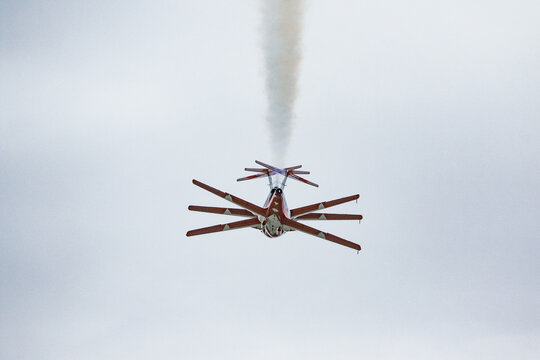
(274, 218)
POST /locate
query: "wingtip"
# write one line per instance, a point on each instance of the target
(197, 183)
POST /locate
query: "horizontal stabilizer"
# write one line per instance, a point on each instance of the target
(270, 167)
(303, 180)
(251, 177)
(270, 170)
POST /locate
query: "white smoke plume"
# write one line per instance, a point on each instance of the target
(282, 30)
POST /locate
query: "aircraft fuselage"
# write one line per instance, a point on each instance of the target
(276, 212)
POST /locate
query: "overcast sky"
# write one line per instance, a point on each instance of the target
(429, 110)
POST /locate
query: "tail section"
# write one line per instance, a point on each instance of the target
(269, 170)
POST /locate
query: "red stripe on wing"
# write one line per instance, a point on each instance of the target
(320, 234)
(234, 199)
(224, 227)
(323, 205)
(219, 210)
(321, 216)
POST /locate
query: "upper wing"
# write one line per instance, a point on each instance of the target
(236, 200)
(319, 206)
(323, 235)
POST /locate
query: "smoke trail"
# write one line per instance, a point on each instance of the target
(282, 28)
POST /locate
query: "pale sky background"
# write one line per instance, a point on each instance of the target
(429, 109)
